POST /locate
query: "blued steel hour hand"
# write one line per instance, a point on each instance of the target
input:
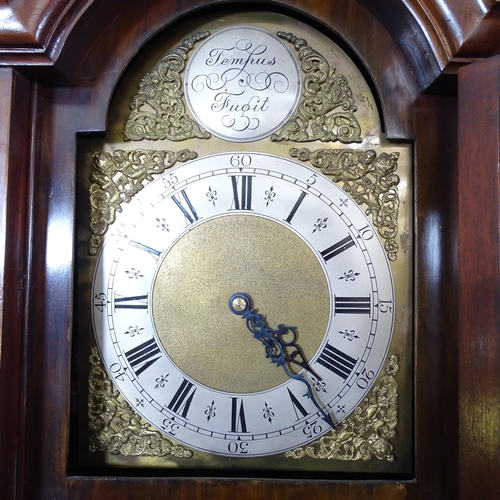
(280, 345)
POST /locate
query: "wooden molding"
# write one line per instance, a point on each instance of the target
(440, 36)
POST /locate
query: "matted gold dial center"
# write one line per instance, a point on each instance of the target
(210, 263)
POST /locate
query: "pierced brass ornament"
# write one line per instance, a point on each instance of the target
(365, 434)
(117, 177)
(324, 92)
(158, 111)
(116, 428)
(369, 180)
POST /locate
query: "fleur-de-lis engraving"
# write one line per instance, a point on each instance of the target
(210, 411)
(133, 331)
(161, 381)
(349, 334)
(270, 194)
(349, 276)
(134, 273)
(268, 412)
(211, 195)
(319, 385)
(320, 224)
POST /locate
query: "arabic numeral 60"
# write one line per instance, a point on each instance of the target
(240, 160)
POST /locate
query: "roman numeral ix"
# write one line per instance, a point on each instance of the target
(134, 302)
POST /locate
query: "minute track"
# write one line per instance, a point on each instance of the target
(346, 248)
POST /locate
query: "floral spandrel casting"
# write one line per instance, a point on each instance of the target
(116, 428)
(366, 433)
(117, 177)
(369, 179)
(326, 109)
(157, 110)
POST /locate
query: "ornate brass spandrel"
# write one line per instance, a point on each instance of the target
(366, 433)
(116, 428)
(369, 179)
(324, 92)
(158, 110)
(116, 177)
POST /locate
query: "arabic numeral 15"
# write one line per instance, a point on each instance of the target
(100, 301)
(385, 306)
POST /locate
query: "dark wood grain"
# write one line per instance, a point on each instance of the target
(87, 45)
(479, 272)
(440, 36)
(436, 403)
(15, 159)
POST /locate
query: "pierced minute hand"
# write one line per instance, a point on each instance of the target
(276, 346)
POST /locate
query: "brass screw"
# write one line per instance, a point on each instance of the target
(239, 304)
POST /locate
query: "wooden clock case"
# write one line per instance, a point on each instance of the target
(59, 63)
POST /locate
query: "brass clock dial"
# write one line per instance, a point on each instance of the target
(241, 222)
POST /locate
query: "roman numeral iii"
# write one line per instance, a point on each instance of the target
(352, 305)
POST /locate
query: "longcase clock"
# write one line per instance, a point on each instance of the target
(236, 231)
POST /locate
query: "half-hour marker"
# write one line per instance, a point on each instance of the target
(337, 361)
(294, 209)
(188, 210)
(352, 305)
(134, 302)
(143, 356)
(242, 192)
(337, 248)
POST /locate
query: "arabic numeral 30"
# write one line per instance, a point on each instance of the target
(240, 447)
